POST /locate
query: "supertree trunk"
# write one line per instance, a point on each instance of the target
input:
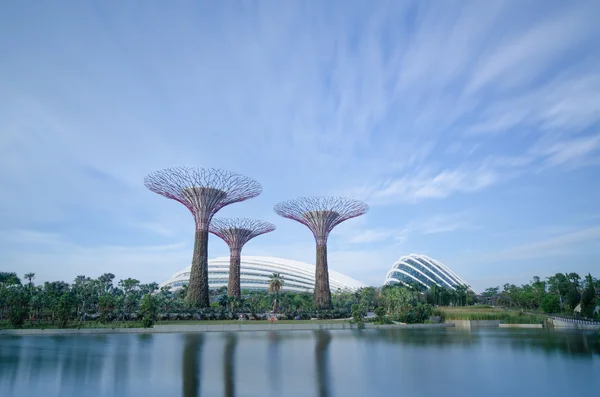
(236, 232)
(203, 192)
(233, 285)
(322, 294)
(197, 295)
(321, 215)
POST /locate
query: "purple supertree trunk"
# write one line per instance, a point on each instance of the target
(203, 192)
(233, 284)
(322, 294)
(321, 215)
(197, 294)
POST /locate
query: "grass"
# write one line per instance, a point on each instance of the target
(222, 322)
(74, 325)
(136, 324)
(479, 313)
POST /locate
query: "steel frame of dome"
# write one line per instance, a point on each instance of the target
(425, 271)
(256, 270)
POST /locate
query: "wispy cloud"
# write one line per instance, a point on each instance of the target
(569, 151)
(394, 103)
(559, 245)
(443, 223)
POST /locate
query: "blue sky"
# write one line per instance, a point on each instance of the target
(472, 129)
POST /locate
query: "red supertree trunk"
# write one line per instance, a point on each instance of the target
(233, 285)
(322, 294)
(198, 294)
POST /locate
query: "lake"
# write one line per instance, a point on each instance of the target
(436, 362)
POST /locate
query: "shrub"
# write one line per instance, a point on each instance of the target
(358, 314)
(416, 314)
(149, 310)
(551, 303)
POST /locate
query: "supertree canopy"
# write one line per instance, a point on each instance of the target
(236, 232)
(203, 191)
(321, 215)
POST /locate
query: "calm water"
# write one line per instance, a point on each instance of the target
(493, 362)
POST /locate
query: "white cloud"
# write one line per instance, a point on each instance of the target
(308, 100)
(571, 150)
(560, 245)
(443, 223)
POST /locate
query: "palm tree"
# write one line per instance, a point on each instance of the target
(275, 284)
(30, 277)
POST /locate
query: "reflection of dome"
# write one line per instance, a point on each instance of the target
(423, 270)
(256, 270)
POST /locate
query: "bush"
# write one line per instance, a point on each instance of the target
(65, 307)
(149, 310)
(358, 314)
(17, 302)
(551, 304)
(416, 314)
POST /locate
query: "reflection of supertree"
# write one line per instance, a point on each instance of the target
(321, 215)
(274, 362)
(321, 359)
(191, 370)
(203, 192)
(229, 365)
(236, 232)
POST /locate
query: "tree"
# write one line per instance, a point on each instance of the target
(380, 313)
(551, 303)
(17, 303)
(106, 283)
(107, 305)
(29, 277)
(368, 297)
(275, 285)
(149, 310)
(588, 303)
(85, 291)
(9, 278)
(65, 306)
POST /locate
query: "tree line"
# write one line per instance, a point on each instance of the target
(563, 293)
(103, 301)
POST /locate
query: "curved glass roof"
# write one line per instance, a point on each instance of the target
(256, 270)
(423, 270)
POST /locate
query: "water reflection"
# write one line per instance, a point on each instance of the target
(572, 343)
(323, 338)
(274, 362)
(229, 365)
(10, 358)
(191, 366)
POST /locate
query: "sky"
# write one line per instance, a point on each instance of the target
(471, 129)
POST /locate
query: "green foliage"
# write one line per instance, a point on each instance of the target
(107, 305)
(358, 315)
(16, 302)
(9, 278)
(65, 306)
(415, 314)
(149, 306)
(588, 298)
(481, 314)
(551, 303)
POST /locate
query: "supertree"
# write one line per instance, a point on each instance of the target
(203, 191)
(321, 215)
(236, 232)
